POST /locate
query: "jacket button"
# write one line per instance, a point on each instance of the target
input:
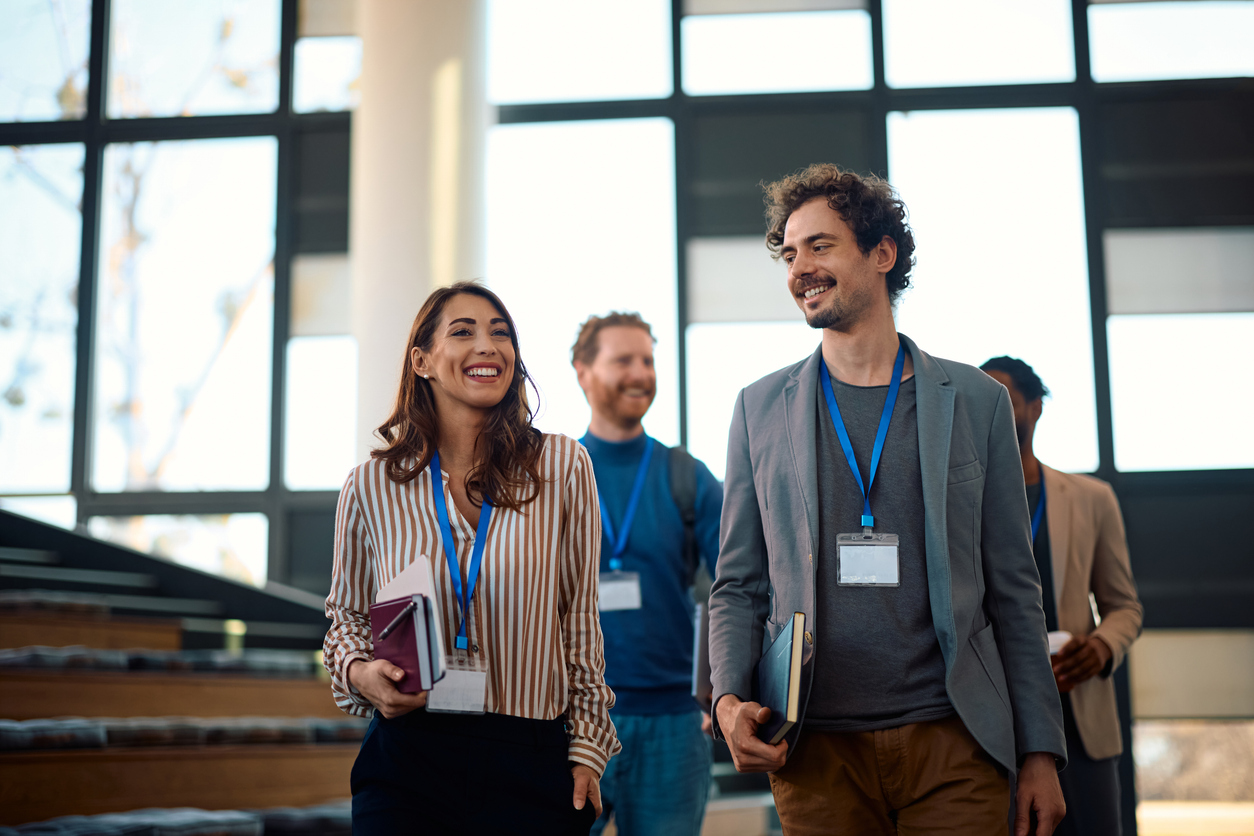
(809, 637)
(810, 558)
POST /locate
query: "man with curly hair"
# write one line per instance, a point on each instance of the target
(877, 489)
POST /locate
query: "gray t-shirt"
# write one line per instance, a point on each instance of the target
(878, 662)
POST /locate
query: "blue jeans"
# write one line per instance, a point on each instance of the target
(659, 783)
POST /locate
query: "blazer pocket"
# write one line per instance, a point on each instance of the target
(986, 648)
(966, 473)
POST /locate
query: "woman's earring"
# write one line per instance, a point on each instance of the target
(426, 377)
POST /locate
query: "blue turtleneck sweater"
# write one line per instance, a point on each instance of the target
(648, 652)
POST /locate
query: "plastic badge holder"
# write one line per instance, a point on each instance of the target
(868, 559)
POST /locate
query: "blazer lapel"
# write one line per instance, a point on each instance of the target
(935, 398)
(799, 397)
(1058, 508)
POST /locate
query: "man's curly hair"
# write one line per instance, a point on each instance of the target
(868, 204)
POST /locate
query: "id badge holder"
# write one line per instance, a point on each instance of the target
(619, 591)
(463, 688)
(867, 559)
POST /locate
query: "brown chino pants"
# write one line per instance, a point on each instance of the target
(920, 778)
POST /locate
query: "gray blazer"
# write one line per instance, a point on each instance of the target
(982, 581)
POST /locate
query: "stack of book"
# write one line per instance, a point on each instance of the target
(405, 627)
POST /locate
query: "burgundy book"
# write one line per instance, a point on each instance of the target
(402, 634)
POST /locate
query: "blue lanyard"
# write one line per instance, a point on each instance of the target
(619, 544)
(1039, 513)
(890, 401)
(464, 595)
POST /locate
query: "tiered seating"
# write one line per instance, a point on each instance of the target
(320, 820)
(118, 693)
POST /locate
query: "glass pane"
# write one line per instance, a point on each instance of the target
(1144, 268)
(321, 416)
(231, 545)
(573, 50)
(619, 255)
(321, 412)
(767, 346)
(194, 58)
(185, 316)
(723, 54)
(734, 279)
(1003, 269)
(1162, 40)
(41, 187)
(328, 72)
(720, 7)
(43, 59)
(965, 42)
(1153, 432)
(61, 511)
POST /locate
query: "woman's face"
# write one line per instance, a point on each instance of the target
(471, 360)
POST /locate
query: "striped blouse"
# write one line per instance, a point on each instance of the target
(534, 615)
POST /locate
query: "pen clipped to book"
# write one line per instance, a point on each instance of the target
(400, 617)
(405, 628)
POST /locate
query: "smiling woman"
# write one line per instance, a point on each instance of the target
(508, 521)
(460, 337)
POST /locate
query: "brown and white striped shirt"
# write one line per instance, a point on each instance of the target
(534, 615)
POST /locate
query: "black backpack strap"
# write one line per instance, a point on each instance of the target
(684, 493)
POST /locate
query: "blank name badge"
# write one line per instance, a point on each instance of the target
(620, 591)
(463, 688)
(867, 560)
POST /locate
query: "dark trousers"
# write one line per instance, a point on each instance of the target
(426, 773)
(1090, 788)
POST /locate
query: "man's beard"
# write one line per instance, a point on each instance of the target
(608, 401)
(824, 318)
(839, 314)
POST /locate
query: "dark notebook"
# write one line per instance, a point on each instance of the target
(404, 632)
(779, 680)
(702, 690)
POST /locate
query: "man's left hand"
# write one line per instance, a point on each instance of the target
(1080, 659)
(1038, 793)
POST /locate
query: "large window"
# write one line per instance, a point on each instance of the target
(152, 215)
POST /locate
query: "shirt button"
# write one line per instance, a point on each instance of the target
(809, 637)
(475, 648)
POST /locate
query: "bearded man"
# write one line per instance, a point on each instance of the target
(878, 490)
(660, 512)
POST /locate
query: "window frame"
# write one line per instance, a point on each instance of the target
(1083, 94)
(94, 132)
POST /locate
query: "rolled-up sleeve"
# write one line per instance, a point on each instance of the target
(593, 738)
(348, 604)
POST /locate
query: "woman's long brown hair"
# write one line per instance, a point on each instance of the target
(508, 448)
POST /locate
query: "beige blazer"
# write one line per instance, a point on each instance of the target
(1089, 553)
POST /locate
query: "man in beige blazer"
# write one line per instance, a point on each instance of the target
(1078, 541)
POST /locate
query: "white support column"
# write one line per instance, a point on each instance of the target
(417, 178)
